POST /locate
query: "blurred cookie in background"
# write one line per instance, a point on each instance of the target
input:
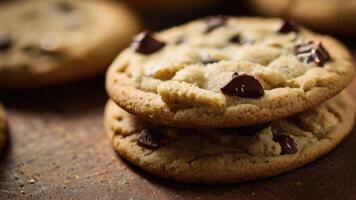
(330, 16)
(46, 43)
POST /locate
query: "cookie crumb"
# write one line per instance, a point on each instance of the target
(32, 181)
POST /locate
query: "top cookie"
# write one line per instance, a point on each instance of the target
(228, 72)
(50, 42)
(333, 16)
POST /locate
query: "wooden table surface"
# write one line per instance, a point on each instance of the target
(58, 150)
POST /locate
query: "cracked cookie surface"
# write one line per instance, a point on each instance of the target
(187, 76)
(46, 42)
(231, 154)
(332, 16)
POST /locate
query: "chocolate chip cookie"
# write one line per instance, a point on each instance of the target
(227, 72)
(333, 16)
(3, 128)
(231, 154)
(51, 42)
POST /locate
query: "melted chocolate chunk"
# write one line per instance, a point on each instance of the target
(236, 39)
(251, 130)
(145, 43)
(320, 55)
(287, 143)
(214, 22)
(152, 139)
(207, 59)
(288, 26)
(308, 52)
(304, 47)
(5, 41)
(243, 86)
(304, 52)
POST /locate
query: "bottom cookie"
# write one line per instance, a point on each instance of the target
(231, 154)
(3, 129)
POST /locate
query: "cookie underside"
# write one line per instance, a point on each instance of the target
(198, 157)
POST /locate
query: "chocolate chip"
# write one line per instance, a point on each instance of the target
(308, 52)
(214, 22)
(251, 130)
(5, 41)
(152, 139)
(207, 59)
(243, 86)
(288, 146)
(304, 52)
(145, 43)
(64, 6)
(236, 39)
(288, 26)
(320, 55)
(304, 47)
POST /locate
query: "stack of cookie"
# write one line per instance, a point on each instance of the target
(227, 99)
